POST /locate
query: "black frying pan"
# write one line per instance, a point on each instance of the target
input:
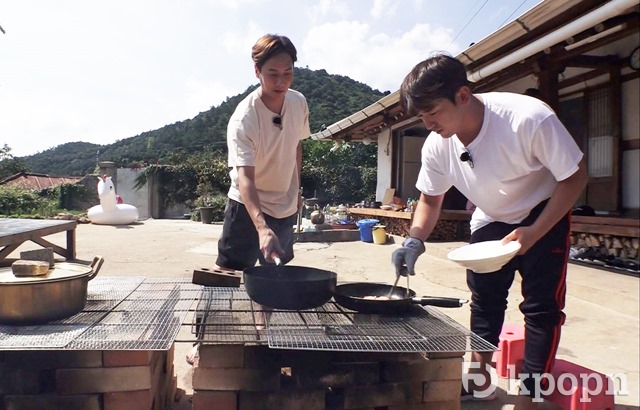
(351, 296)
(289, 287)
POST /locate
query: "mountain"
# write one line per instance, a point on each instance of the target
(330, 98)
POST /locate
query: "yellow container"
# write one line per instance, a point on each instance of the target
(379, 234)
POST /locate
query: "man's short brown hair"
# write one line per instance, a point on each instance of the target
(269, 45)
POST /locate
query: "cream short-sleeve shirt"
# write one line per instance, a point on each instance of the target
(255, 140)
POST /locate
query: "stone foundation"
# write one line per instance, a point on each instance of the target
(235, 377)
(87, 380)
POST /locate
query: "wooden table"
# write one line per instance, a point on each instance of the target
(14, 232)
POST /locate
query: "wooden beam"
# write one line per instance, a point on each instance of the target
(629, 145)
(582, 78)
(543, 29)
(559, 56)
(606, 229)
(587, 61)
(605, 220)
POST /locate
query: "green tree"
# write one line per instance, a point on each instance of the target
(10, 165)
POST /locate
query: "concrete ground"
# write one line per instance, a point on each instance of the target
(601, 331)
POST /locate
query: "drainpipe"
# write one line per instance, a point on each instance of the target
(611, 9)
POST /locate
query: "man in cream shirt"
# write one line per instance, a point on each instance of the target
(264, 138)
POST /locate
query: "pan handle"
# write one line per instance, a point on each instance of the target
(440, 302)
(96, 264)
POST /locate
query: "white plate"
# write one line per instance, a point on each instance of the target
(484, 257)
(386, 207)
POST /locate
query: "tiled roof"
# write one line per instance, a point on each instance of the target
(37, 181)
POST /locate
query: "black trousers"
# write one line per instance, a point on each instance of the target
(239, 245)
(543, 270)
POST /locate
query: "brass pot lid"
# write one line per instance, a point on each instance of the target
(61, 271)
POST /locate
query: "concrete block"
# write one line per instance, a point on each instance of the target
(52, 402)
(102, 380)
(159, 379)
(422, 369)
(375, 357)
(221, 356)
(168, 363)
(441, 390)
(25, 380)
(39, 359)
(293, 358)
(336, 375)
(219, 400)
(4, 381)
(128, 400)
(444, 355)
(172, 389)
(282, 400)
(261, 356)
(206, 378)
(122, 358)
(386, 394)
(442, 405)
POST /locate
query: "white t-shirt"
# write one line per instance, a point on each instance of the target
(520, 153)
(254, 140)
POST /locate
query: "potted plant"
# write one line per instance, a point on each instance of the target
(211, 207)
(204, 207)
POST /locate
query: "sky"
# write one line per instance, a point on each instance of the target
(78, 70)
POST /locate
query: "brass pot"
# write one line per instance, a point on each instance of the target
(62, 292)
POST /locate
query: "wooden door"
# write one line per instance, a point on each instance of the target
(592, 119)
(602, 150)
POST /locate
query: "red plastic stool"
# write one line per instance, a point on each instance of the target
(511, 352)
(580, 388)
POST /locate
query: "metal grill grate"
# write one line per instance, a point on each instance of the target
(226, 315)
(124, 313)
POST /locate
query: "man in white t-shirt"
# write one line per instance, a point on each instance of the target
(513, 159)
(264, 138)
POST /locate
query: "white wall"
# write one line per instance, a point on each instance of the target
(385, 155)
(125, 188)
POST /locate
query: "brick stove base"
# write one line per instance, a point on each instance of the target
(87, 380)
(235, 377)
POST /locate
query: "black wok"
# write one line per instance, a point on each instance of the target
(351, 296)
(289, 287)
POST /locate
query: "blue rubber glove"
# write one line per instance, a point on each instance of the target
(405, 258)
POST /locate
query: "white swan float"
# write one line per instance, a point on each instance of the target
(110, 211)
